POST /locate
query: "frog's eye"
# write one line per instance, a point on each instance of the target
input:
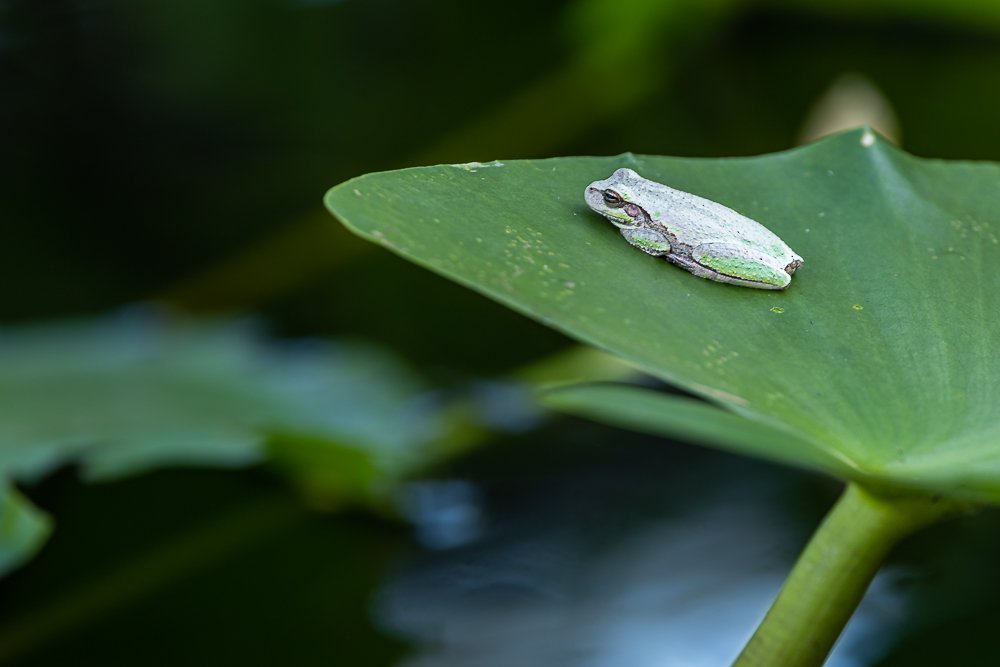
(613, 199)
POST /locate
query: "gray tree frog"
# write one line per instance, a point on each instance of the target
(702, 236)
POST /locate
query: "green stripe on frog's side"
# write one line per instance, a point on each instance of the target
(745, 269)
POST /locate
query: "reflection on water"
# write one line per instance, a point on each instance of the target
(683, 586)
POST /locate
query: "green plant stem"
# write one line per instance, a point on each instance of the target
(832, 574)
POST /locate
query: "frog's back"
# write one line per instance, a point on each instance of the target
(695, 220)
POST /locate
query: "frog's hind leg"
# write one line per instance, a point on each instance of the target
(740, 265)
(647, 240)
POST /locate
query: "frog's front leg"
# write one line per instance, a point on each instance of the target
(739, 264)
(647, 240)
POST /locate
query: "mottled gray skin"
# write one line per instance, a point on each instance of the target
(702, 236)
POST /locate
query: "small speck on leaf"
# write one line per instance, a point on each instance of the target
(858, 306)
(474, 166)
(777, 309)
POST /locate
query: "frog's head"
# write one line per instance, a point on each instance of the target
(617, 199)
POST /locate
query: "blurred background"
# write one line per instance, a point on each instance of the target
(230, 432)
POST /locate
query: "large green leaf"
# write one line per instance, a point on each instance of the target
(881, 353)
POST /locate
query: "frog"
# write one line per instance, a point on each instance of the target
(704, 237)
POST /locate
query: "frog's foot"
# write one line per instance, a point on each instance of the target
(740, 265)
(647, 240)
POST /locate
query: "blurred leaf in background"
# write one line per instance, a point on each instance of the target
(142, 389)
